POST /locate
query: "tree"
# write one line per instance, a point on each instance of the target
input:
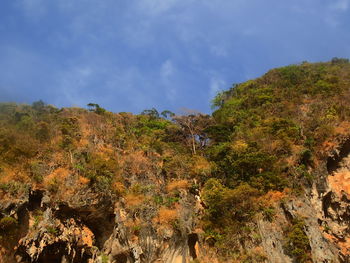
(153, 113)
(167, 114)
(96, 108)
(193, 128)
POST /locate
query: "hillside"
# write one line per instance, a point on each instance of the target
(265, 178)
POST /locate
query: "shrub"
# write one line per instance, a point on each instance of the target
(177, 185)
(134, 200)
(7, 223)
(229, 205)
(297, 243)
(167, 216)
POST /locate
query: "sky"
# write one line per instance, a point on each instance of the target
(131, 55)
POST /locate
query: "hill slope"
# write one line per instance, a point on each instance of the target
(264, 179)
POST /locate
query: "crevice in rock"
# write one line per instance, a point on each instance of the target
(34, 200)
(58, 253)
(121, 258)
(102, 226)
(99, 221)
(326, 202)
(286, 212)
(192, 240)
(334, 161)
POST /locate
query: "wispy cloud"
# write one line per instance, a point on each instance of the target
(340, 5)
(34, 9)
(216, 85)
(131, 55)
(167, 71)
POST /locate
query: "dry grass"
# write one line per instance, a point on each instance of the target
(83, 180)
(59, 174)
(273, 198)
(166, 215)
(200, 166)
(177, 185)
(136, 163)
(56, 179)
(133, 200)
(7, 175)
(118, 187)
(328, 146)
(343, 128)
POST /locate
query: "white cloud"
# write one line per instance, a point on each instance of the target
(219, 50)
(156, 7)
(34, 9)
(341, 5)
(167, 69)
(216, 84)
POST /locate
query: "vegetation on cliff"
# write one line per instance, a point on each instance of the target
(264, 136)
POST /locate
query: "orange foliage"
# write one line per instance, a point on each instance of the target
(343, 128)
(177, 185)
(83, 180)
(200, 166)
(327, 146)
(273, 197)
(56, 177)
(345, 246)
(136, 163)
(7, 175)
(166, 215)
(133, 200)
(118, 187)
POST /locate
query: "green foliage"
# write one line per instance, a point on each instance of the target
(265, 134)
(336, 60)
(225, 205)
(269, 213)
(38, 217)
(286, 108)
(70, 132)
(100, 171)
(297, 243)
(104, 258)
(14, 188)
(52, 230)
(38, 171)
(152, 113)
(96, 108)
(43, 133)
(7, 224)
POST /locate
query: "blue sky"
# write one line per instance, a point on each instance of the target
(130, 55)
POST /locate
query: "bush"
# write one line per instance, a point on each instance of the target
(228, 205)
(297, 243)
(7, 223)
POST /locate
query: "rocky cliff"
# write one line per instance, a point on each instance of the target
(266, 178)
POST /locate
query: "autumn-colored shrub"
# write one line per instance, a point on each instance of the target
(134, 200)
(177, 185)
(167, 216)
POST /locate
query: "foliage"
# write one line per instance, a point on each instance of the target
(297, 243)
(7, 223)
(265, 135)
(225, 205)
(96, 108)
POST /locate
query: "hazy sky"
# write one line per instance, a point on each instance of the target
(130, 55)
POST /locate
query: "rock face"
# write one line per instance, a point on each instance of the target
(97, 231)
(325, 208)
(91, 227)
